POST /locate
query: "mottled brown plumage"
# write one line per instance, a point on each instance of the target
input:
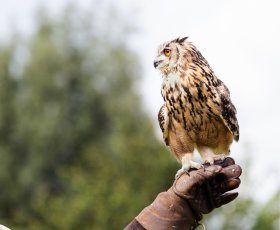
(198, 112)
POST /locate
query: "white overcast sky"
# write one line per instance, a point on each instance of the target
(241, 41)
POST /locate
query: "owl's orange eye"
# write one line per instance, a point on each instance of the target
(167, 52)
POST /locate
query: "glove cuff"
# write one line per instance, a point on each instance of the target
(168, 211)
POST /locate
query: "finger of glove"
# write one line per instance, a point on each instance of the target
(232, 171)
(222, 179)
(225, 186)
(227, 173)
(225, 199)
(226, 162)
(208, 174)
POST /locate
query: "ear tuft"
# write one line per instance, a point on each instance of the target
(181, 40)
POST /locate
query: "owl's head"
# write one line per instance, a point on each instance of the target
(168, 54)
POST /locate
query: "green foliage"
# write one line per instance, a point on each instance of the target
(77, 151)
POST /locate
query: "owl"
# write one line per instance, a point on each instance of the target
(197, 112)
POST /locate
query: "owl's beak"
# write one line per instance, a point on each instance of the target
(156, 63)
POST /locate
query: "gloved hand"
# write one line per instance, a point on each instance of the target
(181, 206)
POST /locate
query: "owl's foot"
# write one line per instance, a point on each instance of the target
(187, 163)
(212, 158)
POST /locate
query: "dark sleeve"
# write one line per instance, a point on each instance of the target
(134, 225)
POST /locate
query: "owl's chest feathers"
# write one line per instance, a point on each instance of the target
(171, 80)
(190, 103)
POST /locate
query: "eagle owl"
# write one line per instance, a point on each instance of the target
(197, 112)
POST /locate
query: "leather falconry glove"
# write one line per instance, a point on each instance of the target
(182, 206)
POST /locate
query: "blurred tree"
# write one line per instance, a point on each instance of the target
(77, 151)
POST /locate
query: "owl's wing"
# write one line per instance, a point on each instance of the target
(228, 111)
(163, 120)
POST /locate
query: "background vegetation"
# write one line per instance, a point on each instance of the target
(77, 151)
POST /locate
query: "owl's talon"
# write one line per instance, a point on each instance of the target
(211, 159)
(187, 163)
(202, 166)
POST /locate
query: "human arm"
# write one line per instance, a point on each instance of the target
(182, 206)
